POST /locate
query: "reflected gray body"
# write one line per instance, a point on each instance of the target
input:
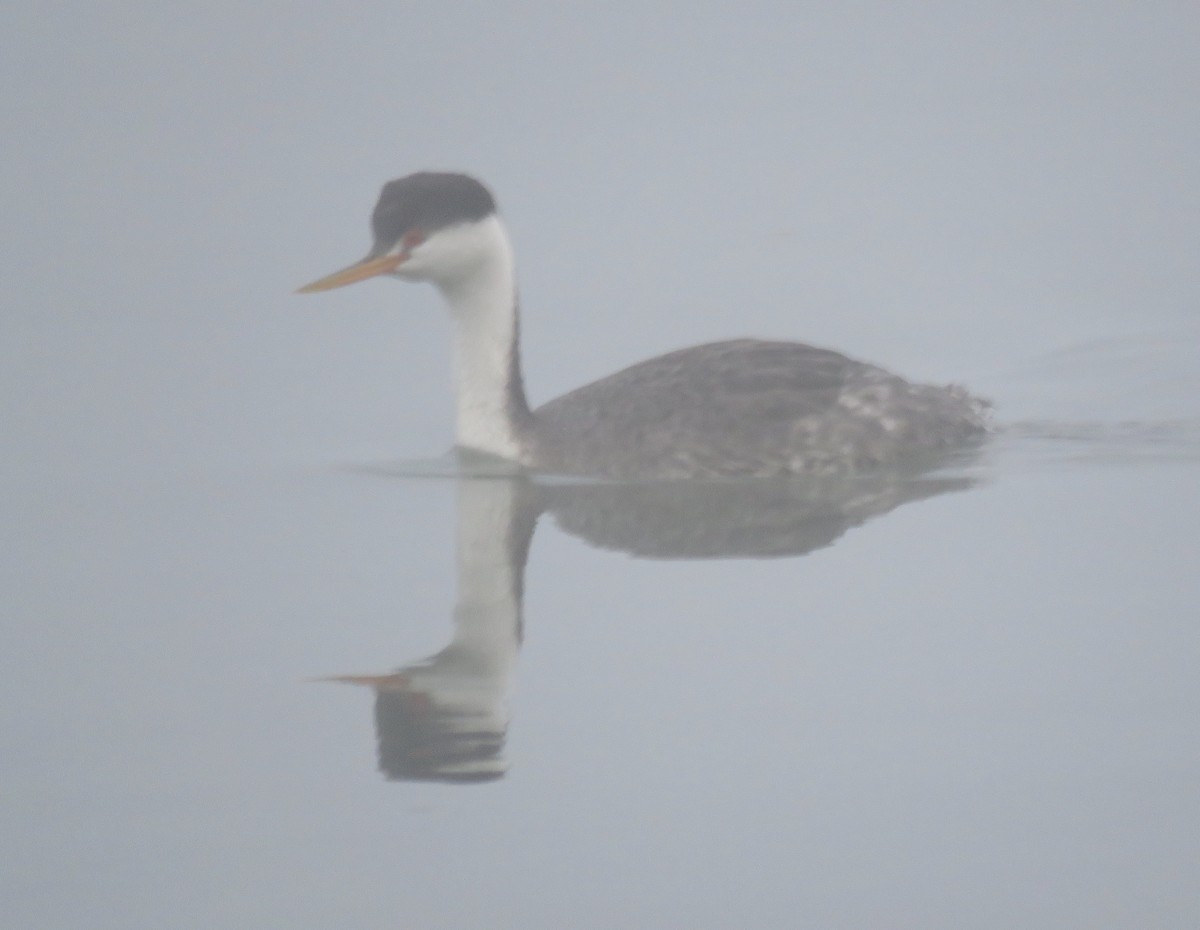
(748, 408)
(445, 718)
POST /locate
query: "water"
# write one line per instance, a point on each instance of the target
(962, 699)
(975, 709)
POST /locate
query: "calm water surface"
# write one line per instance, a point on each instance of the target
(965, 699)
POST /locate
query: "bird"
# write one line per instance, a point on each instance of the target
(743, 408)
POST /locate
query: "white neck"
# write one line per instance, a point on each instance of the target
(483, 309)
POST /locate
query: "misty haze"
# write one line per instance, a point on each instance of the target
(273, 656)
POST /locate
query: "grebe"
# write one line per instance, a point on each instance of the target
(742, 408)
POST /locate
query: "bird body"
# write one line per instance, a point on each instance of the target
(749, 408)
(741, 408)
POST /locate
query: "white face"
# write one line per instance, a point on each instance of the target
(454, 253)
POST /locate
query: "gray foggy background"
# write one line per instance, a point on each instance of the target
(976, 711)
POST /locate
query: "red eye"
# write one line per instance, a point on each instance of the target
(412, 239)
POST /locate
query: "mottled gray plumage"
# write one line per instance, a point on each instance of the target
(748, 408)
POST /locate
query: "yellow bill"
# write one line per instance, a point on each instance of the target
(397, 681)
(359, 271)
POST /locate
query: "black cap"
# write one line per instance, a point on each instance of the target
(427, 201)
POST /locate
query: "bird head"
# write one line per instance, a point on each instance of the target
(429, 226)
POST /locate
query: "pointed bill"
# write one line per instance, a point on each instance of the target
(359, 271)
(396, 681)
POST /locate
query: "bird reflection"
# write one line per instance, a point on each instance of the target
(445, 718)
